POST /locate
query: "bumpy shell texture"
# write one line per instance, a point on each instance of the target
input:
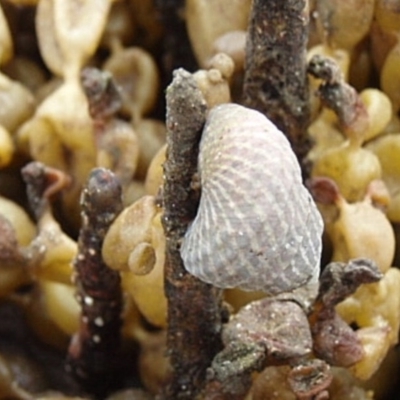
(257, 227)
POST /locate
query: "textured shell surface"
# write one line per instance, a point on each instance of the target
(257, 227)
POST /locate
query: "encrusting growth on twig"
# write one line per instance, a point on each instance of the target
(103, 96)
(42, 183)
(335, 93)
(270, 331)
(333, 338)
(275, 81)
(116, 141)
(93, 349)
(278, 331)
(194, 308)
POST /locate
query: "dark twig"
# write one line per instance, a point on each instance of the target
(275, 81)
(175, 48)
(177, 51)
(103, 95)
(334, 340)
(339, 96)
(93, 349)
(115, 139)
(194, 308)
(42, 183)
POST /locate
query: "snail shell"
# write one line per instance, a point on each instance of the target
(257, 227)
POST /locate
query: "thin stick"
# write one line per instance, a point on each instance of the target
(176, 48)
(275, 80)
(93, 350)
(194, 308)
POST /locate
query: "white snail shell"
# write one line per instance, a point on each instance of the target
(257, 227)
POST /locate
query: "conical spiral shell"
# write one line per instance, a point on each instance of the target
(257, 227)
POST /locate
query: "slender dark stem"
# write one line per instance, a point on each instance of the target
(194, 308)
(335, 93)
(275, 80)
(93, 350)
(42, 183)
(103, 96)
(177, 50)
(333, 339)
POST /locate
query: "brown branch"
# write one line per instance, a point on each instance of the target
(176, 48)
(42, 184)
(93, 349)
(103, 95)
(333, 339)
(339, 96)
(194, 308)
(275, 81)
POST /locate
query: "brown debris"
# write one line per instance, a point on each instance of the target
(194, 308)
(310, 380)
(340, 280)
(334, 340)
(279, 326)
(338, 95)
(176, 48)
(267, 332)
(116, 141)
(275, 81)
(102, 94)
(230, 374)
(93, 349)
(42, 184)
